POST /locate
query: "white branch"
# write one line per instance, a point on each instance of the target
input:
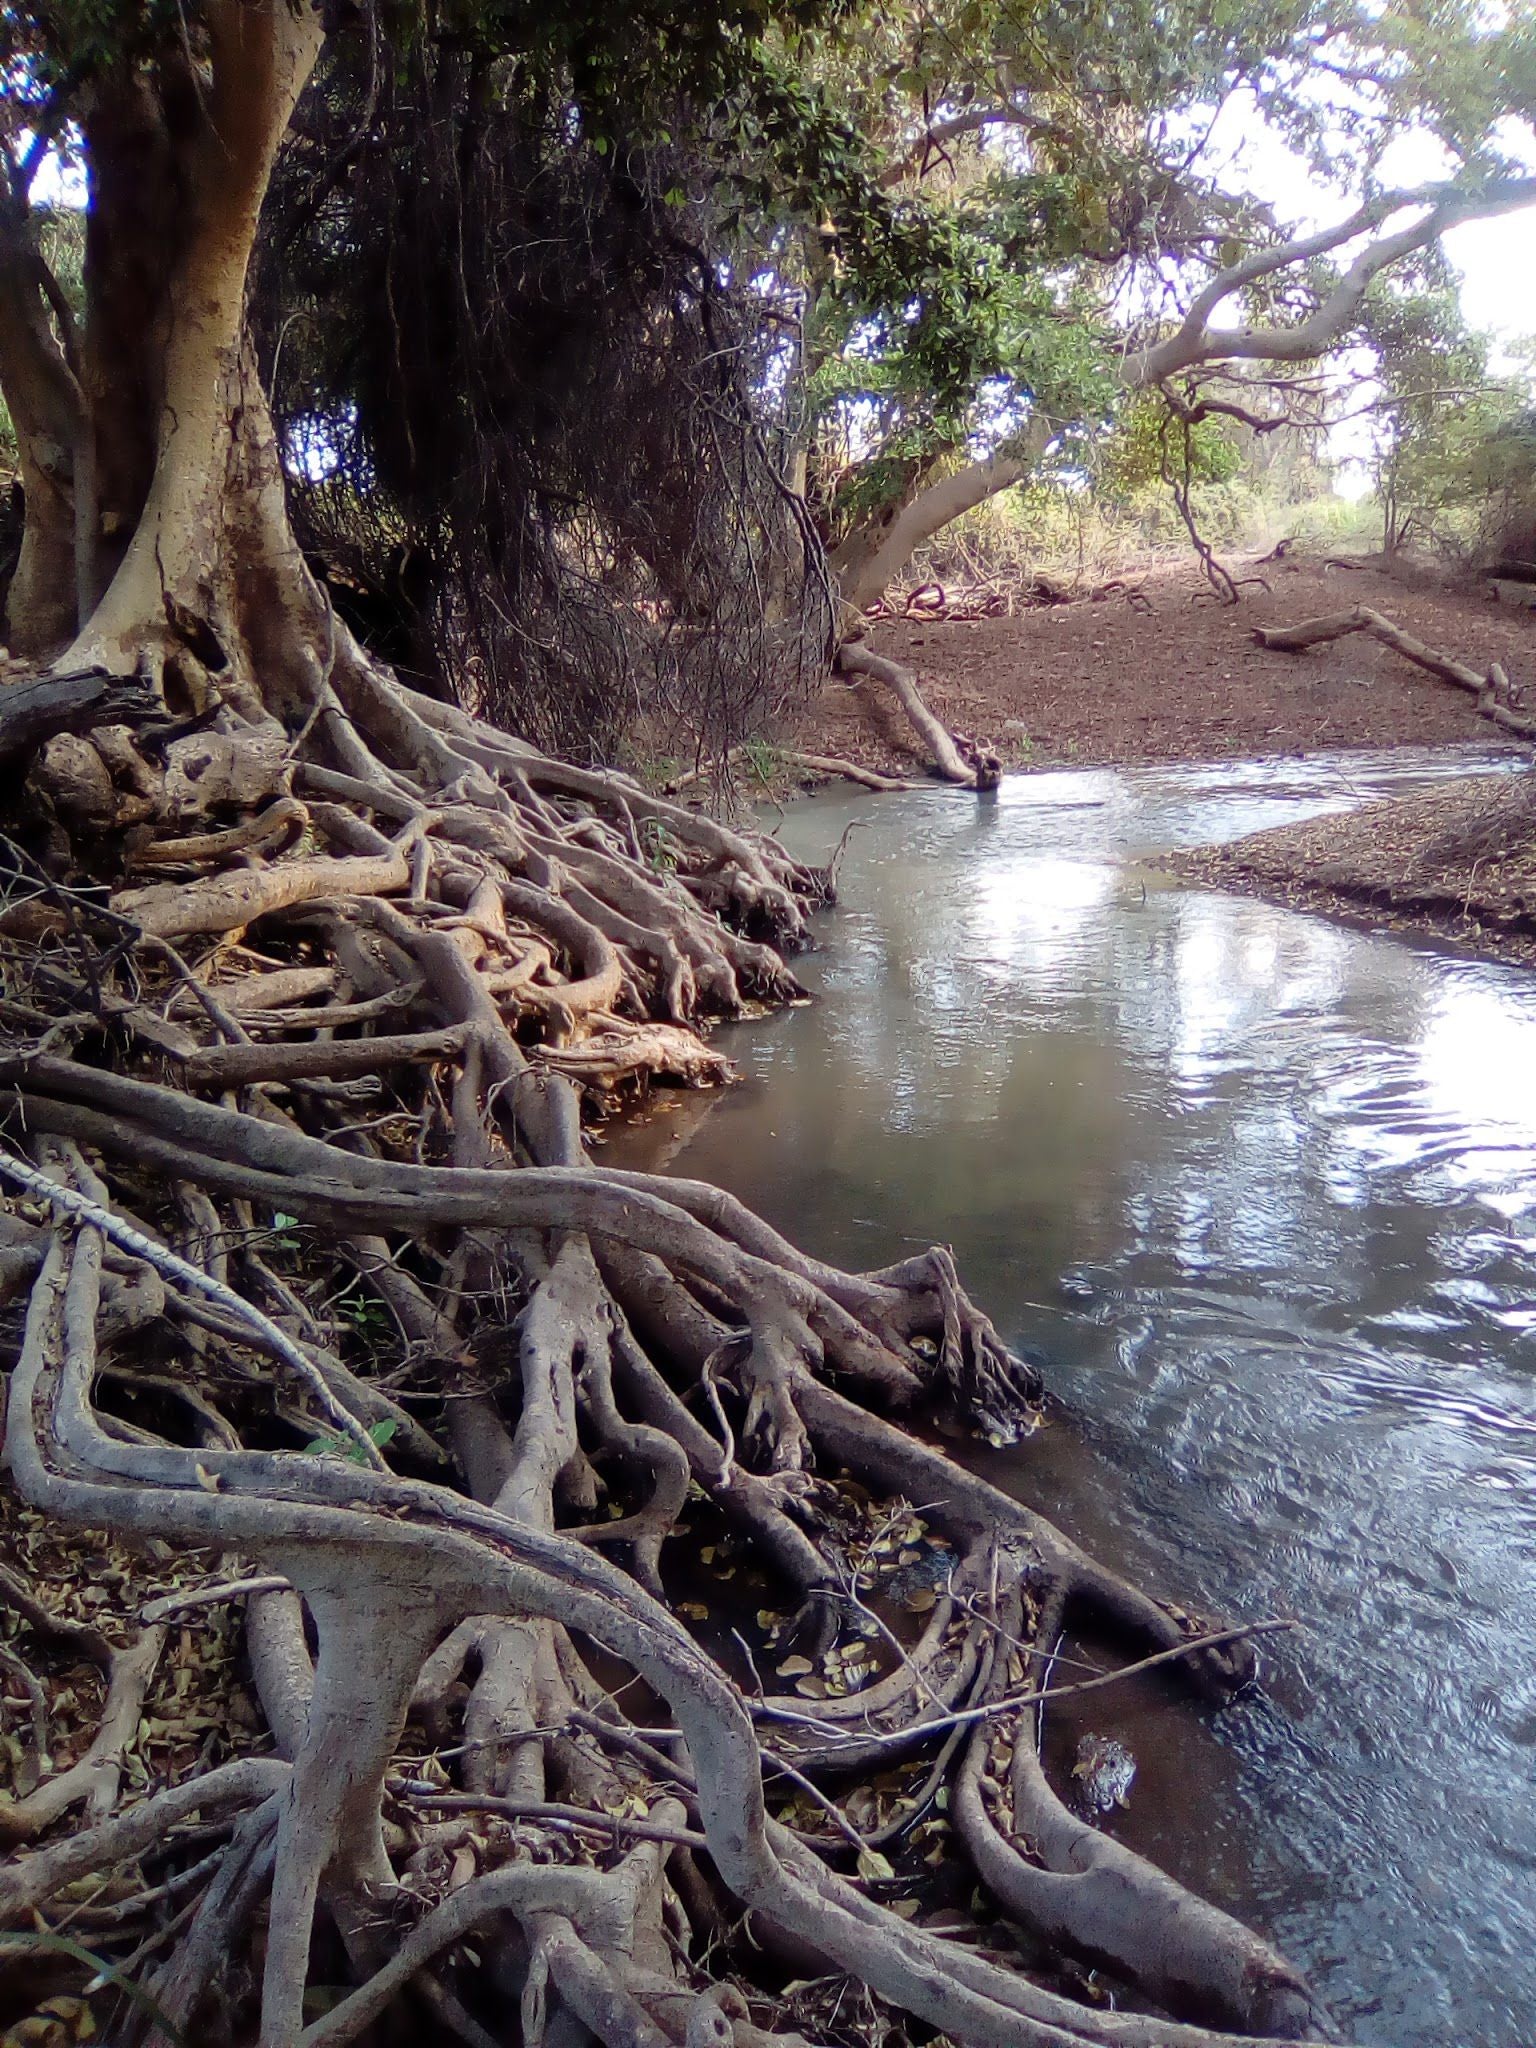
(1193, 342)
(864, 574)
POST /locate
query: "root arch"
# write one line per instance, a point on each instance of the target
(461, 1390)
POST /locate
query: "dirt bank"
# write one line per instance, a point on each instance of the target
(1181, 679)
(1457, 863)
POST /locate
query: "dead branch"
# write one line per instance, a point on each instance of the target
(1491, 689)
(949, 754)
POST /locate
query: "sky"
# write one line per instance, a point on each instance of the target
(1496, 259)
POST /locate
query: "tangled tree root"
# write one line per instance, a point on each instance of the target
(331, 1323)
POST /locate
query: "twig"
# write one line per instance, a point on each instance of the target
(554, 1812)
(961, 1716)
(829, 1807)
(206, 1596)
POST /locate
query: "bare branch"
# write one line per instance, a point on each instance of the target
(1193, 341)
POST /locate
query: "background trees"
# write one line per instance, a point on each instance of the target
(305, 969)
(928, 254)
(1112, 248)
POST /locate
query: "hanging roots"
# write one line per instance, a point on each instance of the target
(453, 1584)
(557, 478)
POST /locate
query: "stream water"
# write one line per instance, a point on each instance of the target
(1263, 1188)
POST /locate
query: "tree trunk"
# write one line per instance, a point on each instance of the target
(211, 556)
(867, 563)
(49, 417)
(135, 237)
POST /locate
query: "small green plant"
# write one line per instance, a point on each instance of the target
(285, 1231)
(656, 772)
(379, 1434)
(658, 846)
(365, 1315)
(763, 762)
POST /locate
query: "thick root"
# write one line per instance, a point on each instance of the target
(564, 1508)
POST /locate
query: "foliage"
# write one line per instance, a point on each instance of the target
(1447, 447)
(929, 228)
(1068, 148)
(1130, 462)
(537, 437)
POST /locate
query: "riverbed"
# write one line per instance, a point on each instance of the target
(1263, 1189)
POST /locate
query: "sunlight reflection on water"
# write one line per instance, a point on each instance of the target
(1264, 1188)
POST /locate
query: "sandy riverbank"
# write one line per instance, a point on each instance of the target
(1180, 678)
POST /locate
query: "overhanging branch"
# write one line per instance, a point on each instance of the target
(1193, 342)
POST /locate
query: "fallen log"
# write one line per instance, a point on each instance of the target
(1492, 689)
(42, 707)
(981, 771)
(848, 771)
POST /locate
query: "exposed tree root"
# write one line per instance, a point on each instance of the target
(954, 758)
(331, 1322)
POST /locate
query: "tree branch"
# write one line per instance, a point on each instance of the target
(1193, 341)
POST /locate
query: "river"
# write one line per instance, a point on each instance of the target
(1263, 1189)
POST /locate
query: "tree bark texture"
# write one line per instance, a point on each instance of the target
(326, 1316)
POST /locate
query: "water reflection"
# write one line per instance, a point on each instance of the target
(1265, 1188)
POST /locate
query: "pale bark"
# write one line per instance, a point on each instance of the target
(870, 558)
(181, 558)
(48, 413)
(493, 913)
(1491, 688)
(855, 659)
(873, 555)
(1195, 342)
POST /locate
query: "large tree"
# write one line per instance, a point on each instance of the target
(1113, 251)
(330, 1318)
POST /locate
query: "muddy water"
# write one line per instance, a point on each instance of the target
(1264, 1189)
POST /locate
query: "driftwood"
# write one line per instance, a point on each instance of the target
(956, 760)
(831, 765)
(1492, 689)
(931, 602)
(936, 604)
(1413, 571)
(849, 771)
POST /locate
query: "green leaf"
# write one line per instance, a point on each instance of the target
(104, 1970)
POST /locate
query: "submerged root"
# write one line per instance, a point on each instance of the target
(562, 1508)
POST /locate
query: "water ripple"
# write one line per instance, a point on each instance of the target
(1264, 1188)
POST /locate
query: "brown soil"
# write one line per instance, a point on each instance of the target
(1103, 681)
(1457, 862)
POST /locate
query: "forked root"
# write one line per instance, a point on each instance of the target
(588, 1485)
